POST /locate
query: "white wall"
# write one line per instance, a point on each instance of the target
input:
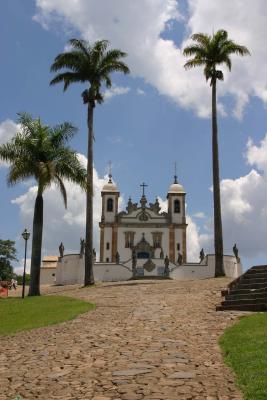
(207, 269)
(71, 271)
(48, 276)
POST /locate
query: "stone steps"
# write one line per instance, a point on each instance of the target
(259, 295)
(248, 292)
(243, 307)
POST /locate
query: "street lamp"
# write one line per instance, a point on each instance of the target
(25, 234)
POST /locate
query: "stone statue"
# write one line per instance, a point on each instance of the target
(117, 257)
(180, 259)
(161, 254)
(82, 247)
(201, 255)
(134, 262)
(94, 255)
(235, 251)
(61, 249)
(166, 269)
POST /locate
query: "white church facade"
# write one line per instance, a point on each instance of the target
(141, 241)
(143, 228)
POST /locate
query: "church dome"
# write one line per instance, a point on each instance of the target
(176, 188)
(110, 186)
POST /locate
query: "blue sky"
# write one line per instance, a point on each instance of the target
(162, 117)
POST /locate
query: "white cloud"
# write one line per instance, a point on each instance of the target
(244, 208)
(8, 129)
(19, 270)
(140, 92)
(258, 155)
(159, 61)
(115, 91)
(199, 214)
(60, 224)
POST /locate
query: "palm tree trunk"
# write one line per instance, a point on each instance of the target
(88, 258)
(37, 235)
(218, 235)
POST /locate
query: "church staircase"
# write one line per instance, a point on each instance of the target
(248, 292)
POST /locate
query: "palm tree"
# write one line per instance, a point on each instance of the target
(41, 152)
(91, 65)
(209, 52)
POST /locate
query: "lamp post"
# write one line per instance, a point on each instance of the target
(25, 234)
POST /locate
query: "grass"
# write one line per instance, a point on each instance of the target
(244, 347)
(33, 312)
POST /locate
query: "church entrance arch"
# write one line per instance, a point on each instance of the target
(143, 250)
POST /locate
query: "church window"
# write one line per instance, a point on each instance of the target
(107, 259)
(107, 246)
(129, 239)
(178, 246)
(157, 239)
(110, 205)
(177, 206)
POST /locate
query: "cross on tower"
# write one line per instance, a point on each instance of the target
(175, 172)
(143, 186)
(110, 170)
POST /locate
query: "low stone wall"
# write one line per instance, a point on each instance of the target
(70, 271)
(206, 269)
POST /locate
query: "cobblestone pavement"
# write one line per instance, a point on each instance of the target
(147, 340)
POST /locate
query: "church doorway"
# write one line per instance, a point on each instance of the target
(143, 254)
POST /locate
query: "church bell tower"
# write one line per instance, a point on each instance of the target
(108, 225)
(177, 229)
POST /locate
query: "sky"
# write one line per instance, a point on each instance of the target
(157, 115)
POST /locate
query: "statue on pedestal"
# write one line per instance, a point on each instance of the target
(82, 247)
(180, 259)
(166, 269)
(201, 255)
(94, 255)
(134, 262)
(61, 249)
(117, 257)
(235, 251)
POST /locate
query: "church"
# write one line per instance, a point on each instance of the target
(142, 241)
(143, 229)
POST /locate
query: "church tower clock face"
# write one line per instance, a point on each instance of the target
(143, 235)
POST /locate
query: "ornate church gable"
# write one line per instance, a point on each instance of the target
(143, 214)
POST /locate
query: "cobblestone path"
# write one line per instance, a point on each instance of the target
(146, 340)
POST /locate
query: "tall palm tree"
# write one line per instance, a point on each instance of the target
(91, 65)
(209, 52)
(41, 152)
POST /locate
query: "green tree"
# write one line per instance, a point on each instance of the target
(7, 255)
(41, 152)
(209, 52)
(90, 65)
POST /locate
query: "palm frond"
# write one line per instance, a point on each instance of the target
(88, 64)
(211, 51)
(194, 62)
(80, 45)
(202, 38)
(59, 182)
